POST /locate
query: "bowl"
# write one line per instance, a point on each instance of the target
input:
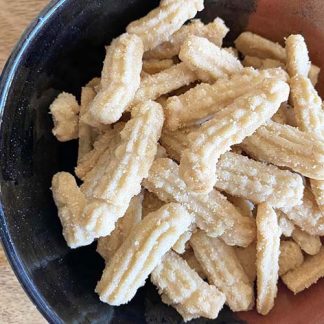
(61, 50)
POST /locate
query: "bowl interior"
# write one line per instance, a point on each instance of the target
(63, 49)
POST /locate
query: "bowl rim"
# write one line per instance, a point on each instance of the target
(8, 73)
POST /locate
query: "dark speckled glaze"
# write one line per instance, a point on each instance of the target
(62, 50)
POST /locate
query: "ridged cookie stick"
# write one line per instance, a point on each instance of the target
(310, 244)
(287, 146)
(141, 252)
(317, 187)
(258, 182)
(307, 274)
(108, 245)
(182, 243)
(204, 100)
(307, 103)
(286, 225)
(175, 142)
(267, 63)
(160, 23)
(310, 118)
(70, 202)
(254, 45)
(307, 106)
(65, 113)
(155, 85)
(208, 60)
(214, 32)
(213, 212)
(224, 270)
(307, 215)
(185, 290)
(97, 160)
(134, 156)
(239, 175)
(119, 82)
(193, 263)
(111, 188)
(89, 160)
(297, 56)
(86, 132)
(259, 63)
(243, 232)
(267, 260)
(262, 49)
(231, 178)
(228, 127)
(247, 258)
(291, 256)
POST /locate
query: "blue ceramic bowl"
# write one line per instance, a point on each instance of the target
(62, 50)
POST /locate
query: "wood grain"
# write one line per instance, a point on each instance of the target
(15, 15)
(15, 306)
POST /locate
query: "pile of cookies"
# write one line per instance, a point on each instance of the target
(202, 167)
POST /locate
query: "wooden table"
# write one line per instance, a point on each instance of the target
(15, 306)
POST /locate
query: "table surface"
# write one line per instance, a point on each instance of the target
(15, 306)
